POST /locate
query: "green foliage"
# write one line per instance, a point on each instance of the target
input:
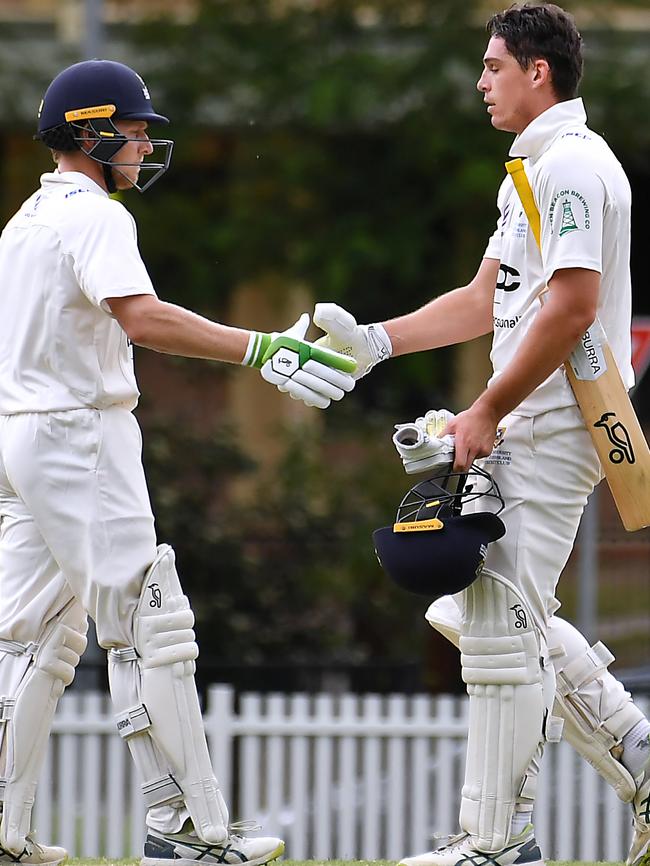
(342, 154)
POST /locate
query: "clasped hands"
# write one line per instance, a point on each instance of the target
(326, 369)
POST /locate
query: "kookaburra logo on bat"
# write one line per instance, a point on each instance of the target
(618, 436)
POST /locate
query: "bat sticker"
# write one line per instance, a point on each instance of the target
(619, 437)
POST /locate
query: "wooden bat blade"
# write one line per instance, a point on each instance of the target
(618, 439)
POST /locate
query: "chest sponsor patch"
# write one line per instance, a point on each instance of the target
(508, 324)
(509, 278)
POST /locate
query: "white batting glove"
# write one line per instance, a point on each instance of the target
(420, 445)
(368, 344)
(314, 374)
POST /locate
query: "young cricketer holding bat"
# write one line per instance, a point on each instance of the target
(77, 532)
(526, 669)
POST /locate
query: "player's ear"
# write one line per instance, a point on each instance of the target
(541, 72)
(87, 136)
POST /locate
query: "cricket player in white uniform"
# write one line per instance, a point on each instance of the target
(76, 529)
(526, 670)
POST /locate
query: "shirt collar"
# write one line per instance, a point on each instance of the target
(72, 178)
(542, 132)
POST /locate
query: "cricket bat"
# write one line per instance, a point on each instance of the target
(603, 400)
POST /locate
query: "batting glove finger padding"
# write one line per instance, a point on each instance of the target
(299, 392)
(314, 374)
(311, 384)
(368, 344)
(420, 445)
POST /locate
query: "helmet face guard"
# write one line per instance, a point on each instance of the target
(80, 107)
(433, 548)
(447, 495)
(109, 141)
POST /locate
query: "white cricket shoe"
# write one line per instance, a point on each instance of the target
(34, 854)
(640, 849)
(186, 849)
(523, 850)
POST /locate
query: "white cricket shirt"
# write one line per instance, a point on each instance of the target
(584, 201)
(67, 249)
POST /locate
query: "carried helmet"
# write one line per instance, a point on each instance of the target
(433, 548)
(87, 98)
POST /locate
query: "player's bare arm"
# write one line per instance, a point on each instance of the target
(569, 309)
(305, 372)
(171, 329)
(457, 316)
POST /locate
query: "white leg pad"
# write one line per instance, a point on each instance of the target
(40, 673)
(157, 706)
(596, 708)
(444, 615)
(500, 658)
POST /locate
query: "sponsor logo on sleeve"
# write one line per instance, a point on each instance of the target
(569, 212)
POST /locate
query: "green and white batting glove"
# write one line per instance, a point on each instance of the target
(420, 445)
(368, 344)
(314, 374)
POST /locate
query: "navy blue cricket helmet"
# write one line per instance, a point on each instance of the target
(433, 549)
(88, 97)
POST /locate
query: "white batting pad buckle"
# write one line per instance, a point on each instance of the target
(133, 721)
(553, 727)
(161, 791)
(125, 654)
(15, 648)
(584, 669)
(6, 709)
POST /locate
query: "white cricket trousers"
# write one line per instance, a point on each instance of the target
(546, 467)
(75, 521)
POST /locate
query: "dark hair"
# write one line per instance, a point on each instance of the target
(542, 30)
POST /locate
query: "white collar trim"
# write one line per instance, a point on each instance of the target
(73, 178)
(542, 132)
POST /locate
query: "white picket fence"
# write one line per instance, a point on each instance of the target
(337, 776)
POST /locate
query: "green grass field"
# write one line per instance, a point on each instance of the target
(106, 862)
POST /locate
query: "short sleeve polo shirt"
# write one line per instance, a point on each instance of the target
(584, 200)
(68, 249)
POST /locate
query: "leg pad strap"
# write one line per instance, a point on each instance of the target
(596, 708)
